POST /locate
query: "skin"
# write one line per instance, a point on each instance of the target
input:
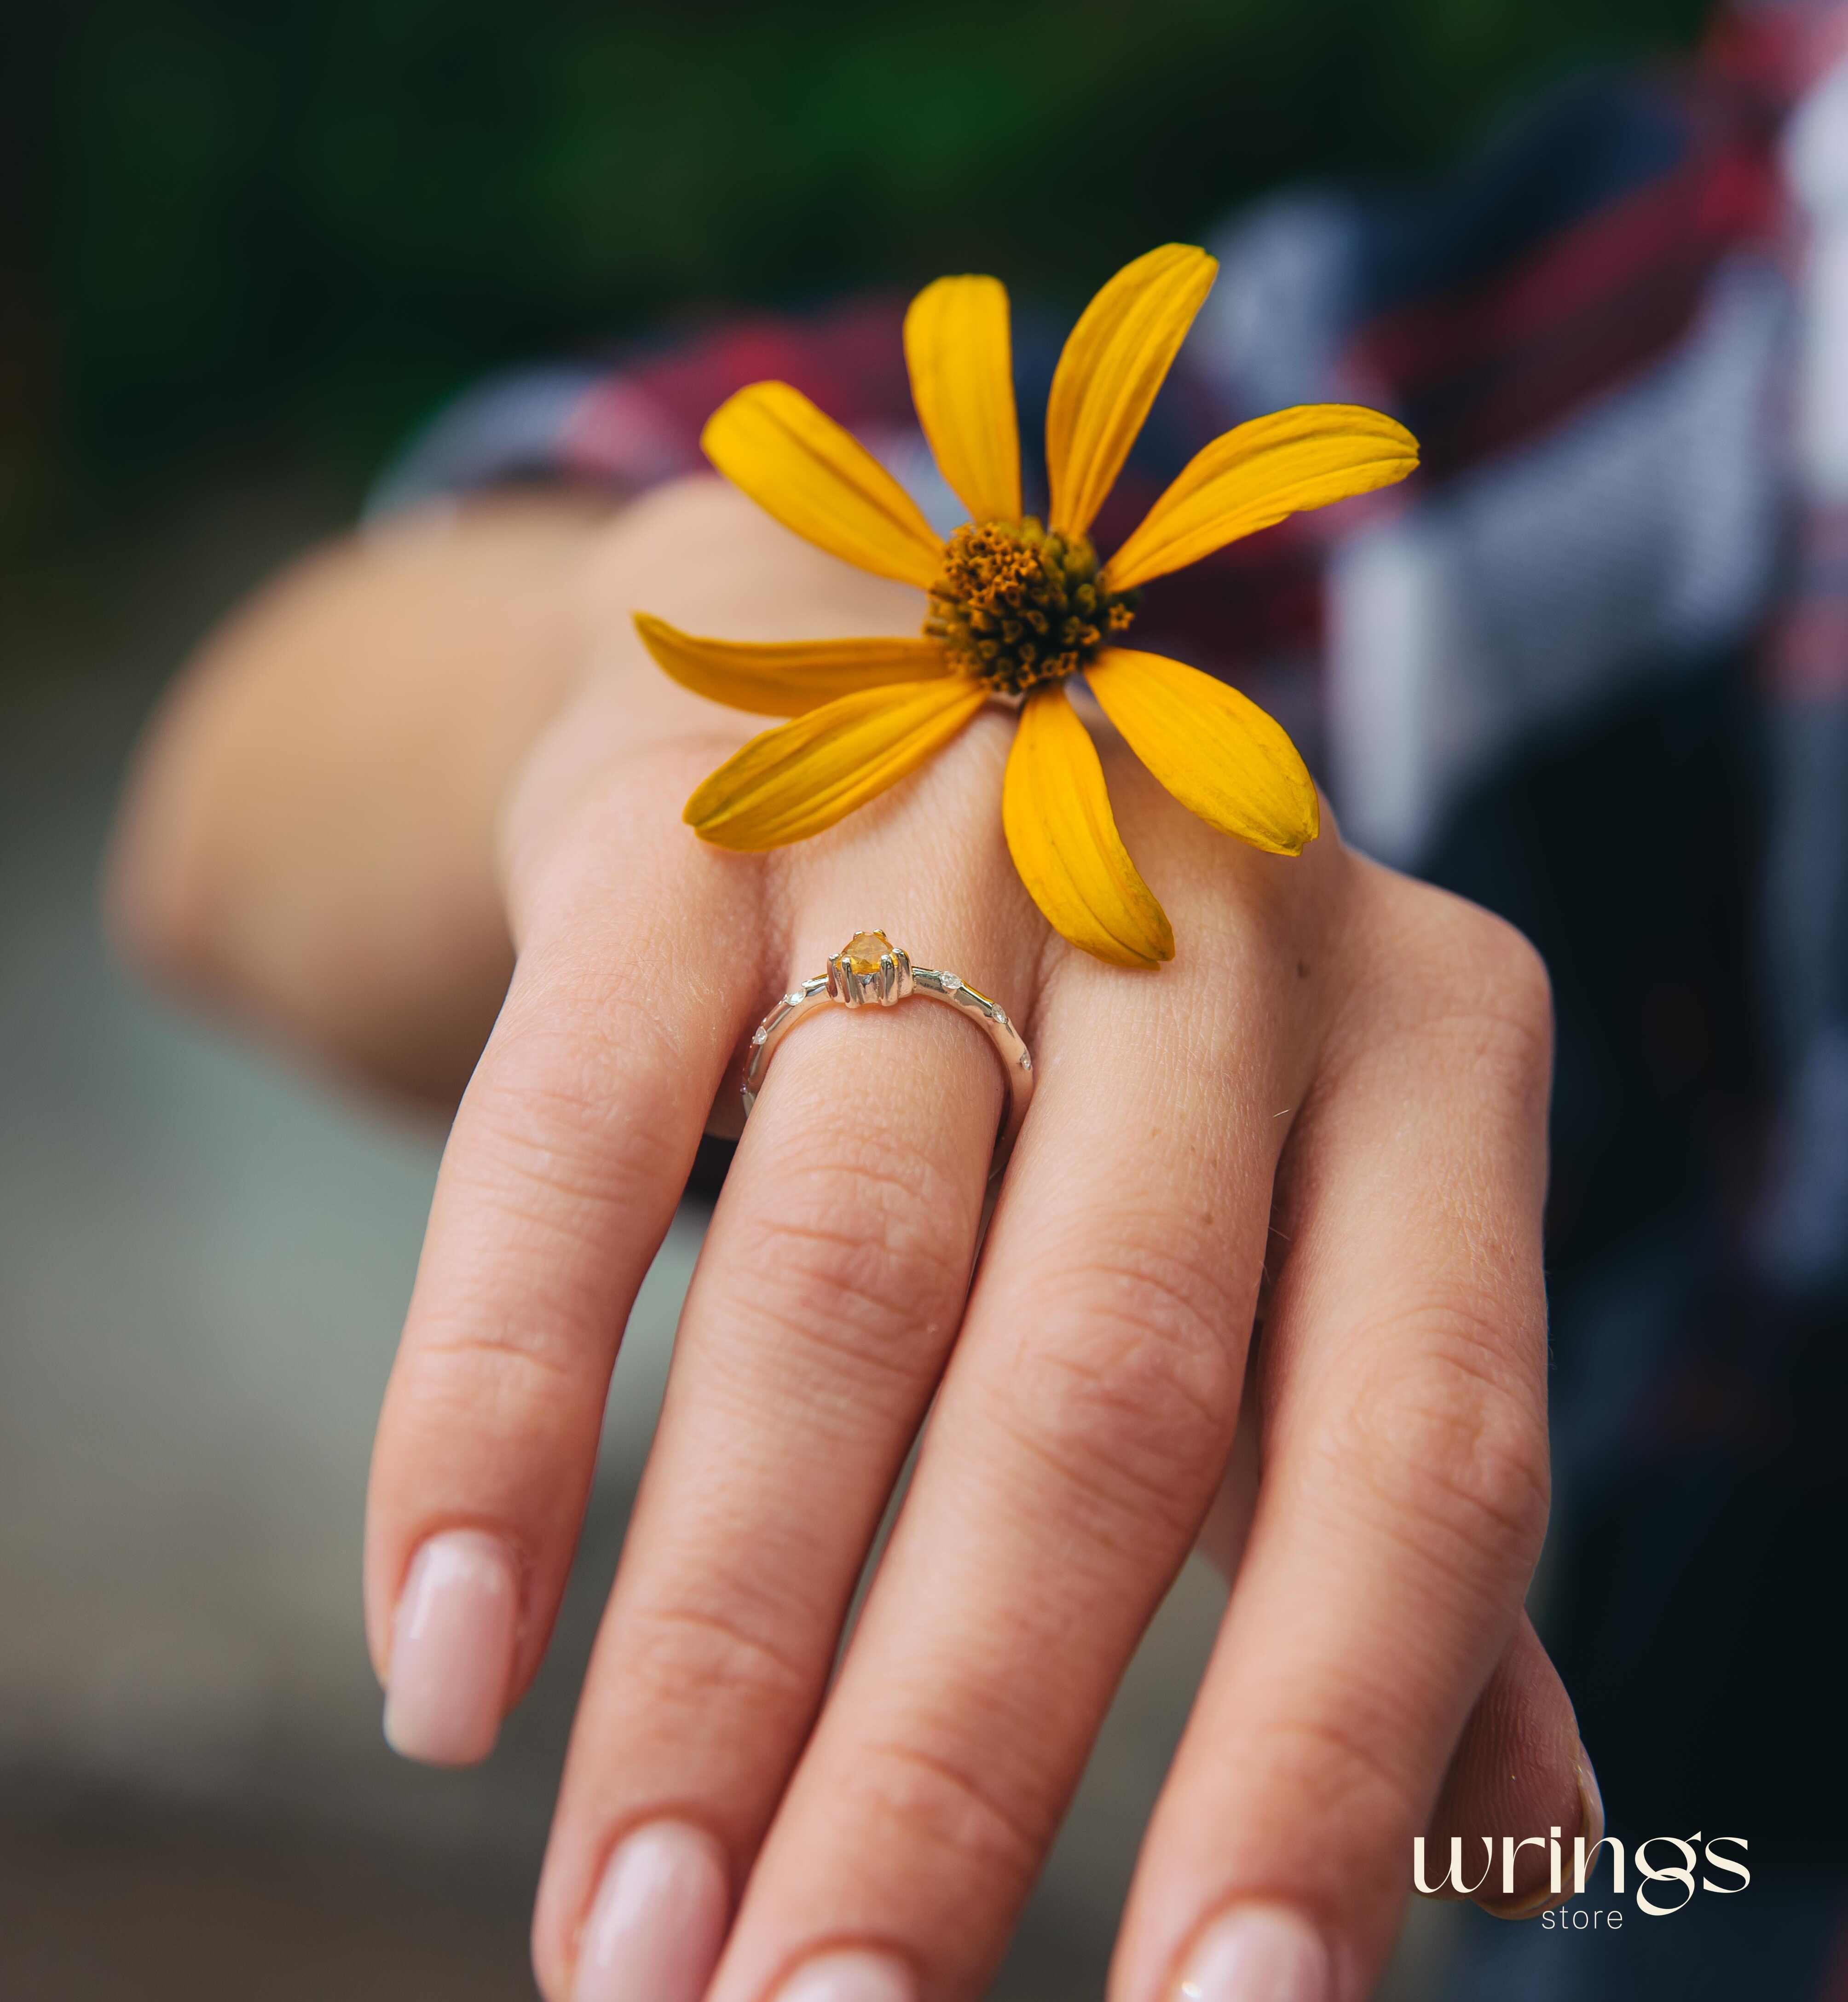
(428, 760)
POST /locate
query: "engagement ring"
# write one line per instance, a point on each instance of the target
(870, 968)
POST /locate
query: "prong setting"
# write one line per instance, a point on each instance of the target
(870, 969)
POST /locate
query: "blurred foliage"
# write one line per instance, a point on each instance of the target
(325, 214)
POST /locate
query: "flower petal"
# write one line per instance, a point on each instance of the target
(1213, 749)
(1112, 365)
(958, 348)
(1257, 474)
(772, 442)
(1065, 843)
(785, 677)
(803, 777)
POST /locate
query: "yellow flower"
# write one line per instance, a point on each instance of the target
(1014, 608)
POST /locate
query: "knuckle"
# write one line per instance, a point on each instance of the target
(1340, 1768)
(1449, 969)
(1512, 972)
(1127, 1370)
(1498, 990)
(1520, 968)
(870, 1255)
(946, 1806)
(562, 1130)
(575, 1097)
(723, 1653)
(466, 1374)
(581, 841)
(1457, 1457)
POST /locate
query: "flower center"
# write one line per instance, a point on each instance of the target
(1018, 603)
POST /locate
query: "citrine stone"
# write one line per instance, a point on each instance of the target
(861, 952)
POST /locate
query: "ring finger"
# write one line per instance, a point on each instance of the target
(828, 1296)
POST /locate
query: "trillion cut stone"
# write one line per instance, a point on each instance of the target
(860, 955)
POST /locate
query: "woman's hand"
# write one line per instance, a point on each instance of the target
(1335, 1096)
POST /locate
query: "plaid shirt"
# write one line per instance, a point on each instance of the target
(1609, 334)
(1624, 231)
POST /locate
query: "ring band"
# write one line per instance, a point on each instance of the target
(870, 968)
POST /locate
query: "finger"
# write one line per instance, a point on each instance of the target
(1520, 1772)
(1403, 1495)
(568, 1152)
(1519, 1769)
(1075, 1444)
(829, 1291)
(1227, 1528)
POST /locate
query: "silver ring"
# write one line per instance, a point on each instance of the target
(870, 968)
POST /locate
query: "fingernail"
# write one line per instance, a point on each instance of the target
(1260, 1953)
(851, 1977)
(452, 1649)
(655, 1929)
(1591, 1801)
(1591, 1825)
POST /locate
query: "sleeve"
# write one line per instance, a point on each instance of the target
(1799, 1236)
(632, 420)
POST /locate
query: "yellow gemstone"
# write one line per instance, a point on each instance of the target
(860, 955)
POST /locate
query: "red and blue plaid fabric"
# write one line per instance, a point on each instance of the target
(1566, 262)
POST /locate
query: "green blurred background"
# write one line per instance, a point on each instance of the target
(308, 221)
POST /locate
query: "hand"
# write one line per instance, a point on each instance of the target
(1336, 1094)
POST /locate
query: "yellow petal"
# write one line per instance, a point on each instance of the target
(1065, 843)
(803, 777)
(958, 348)
(787, 677)
(772, 442)
(1111, 368)
(1255, 475)
(1213, 749)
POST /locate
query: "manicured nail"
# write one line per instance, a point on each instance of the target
(851, 1977)
(654, 1932)
(452, 1649)
(1259, 1953)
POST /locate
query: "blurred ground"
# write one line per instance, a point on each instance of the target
(202, 1264)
